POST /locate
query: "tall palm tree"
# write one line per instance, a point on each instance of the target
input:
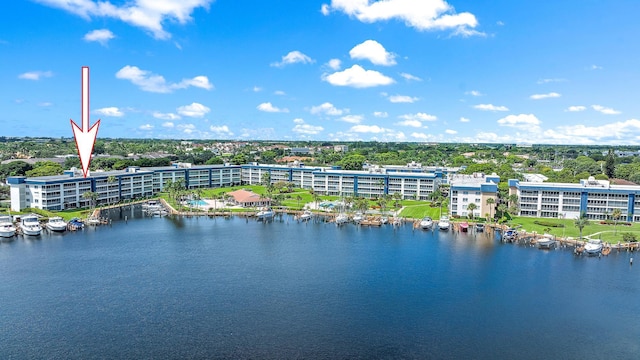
(471, 207)
(490, 201)
(298, 199)
(110, 180)
(580, 223)
(397, 198)
(503, 209)
(615, 214)
(91, 196)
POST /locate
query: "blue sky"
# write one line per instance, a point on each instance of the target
(560, 72)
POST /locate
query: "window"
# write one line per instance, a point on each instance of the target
(465, 199)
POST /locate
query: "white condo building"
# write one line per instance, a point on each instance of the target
(473, 189)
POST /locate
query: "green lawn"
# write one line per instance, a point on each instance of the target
(570, 230)
(420, 211)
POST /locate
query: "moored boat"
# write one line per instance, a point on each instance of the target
(510, 235)
(444, 223)
(7, 229)
(593, 247)
(30, 225)
(342, 218)
(479, 227)
(357, 217)
(56, 223)
(76, 223)
(464, 226)
(546, 242)
(426, 223)
(306, 215)
(265, 214)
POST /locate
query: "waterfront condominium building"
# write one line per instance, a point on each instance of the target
(596, 199)
(334, 181)
(473, 189)
(67, 191)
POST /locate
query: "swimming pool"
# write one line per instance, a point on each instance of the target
(197, 203)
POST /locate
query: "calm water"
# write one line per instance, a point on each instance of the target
(204, 288)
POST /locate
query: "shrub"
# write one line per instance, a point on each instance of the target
(629, 237)
(548, 223)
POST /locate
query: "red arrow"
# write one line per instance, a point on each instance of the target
(85, 137)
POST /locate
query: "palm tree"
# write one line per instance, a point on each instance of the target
(471, 207)
(397, 198)
(615, 214)
(383, 204)
(503, 209)
(316, 199)
(92, 196)
(490, 202)
(580, 223)
(298, 199)
(110, 180)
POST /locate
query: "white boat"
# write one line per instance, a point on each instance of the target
(546, 242)
(444, 223)
(265, 214)
(306, 215)
(30, 225)
(384, 220)
(426, 223)
(358, 217)
(151, 205)
(342, 218)
(594, 246)
(93, 221)
(56, 223)
(7, 229)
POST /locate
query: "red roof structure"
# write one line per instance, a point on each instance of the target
(247, 198)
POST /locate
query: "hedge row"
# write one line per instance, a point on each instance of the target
(547, 223)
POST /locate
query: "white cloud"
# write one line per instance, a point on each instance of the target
(222, 130)
(257, 89)
(622, 131)
(605, 110)
(576, 108)
(325, 9)
(328, 109)
(101, 36)
(402, 99)
(552, 80)
(544, 96)
(45, 104)
(146, 127)
(464, 120)
(35, 75)
(375, 129)
(421, 136)
(146, 14)
(474, 93)
(293, 57)
(305, 129)
(334, 64)
(168, 124)
(187, 128)
(357, 77)
(279, 92)
(373, 51)
(526, 120)
(410, 77)
(419, 14)
(490, 107)
(166, 116)
(353, 119)
(147, 81)
(450, 132)
(419, 117)
(595, 67)
(380, 114)
(193, 110)
(268, 107)
(109, 111)
(410, 122)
